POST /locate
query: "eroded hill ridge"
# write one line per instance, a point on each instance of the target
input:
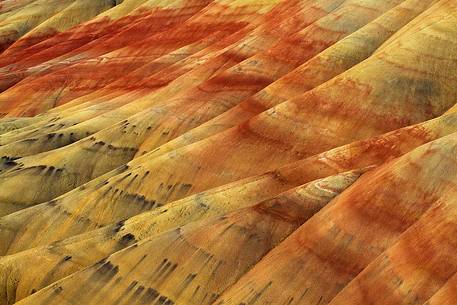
(220, 152)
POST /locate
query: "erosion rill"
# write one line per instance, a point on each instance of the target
(228, 152)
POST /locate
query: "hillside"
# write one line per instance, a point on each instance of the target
(220, 152)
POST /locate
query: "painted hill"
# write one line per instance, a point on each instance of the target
(216, 152)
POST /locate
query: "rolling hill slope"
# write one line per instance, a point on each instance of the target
(221, 152)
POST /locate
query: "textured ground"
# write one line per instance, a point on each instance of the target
(228, 152)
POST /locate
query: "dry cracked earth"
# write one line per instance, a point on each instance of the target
(228, 152)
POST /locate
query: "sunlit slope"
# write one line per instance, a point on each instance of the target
(228, 152)
(328, 260)
(86, 208)
(280, 215)
(333, 247)
(276, 133)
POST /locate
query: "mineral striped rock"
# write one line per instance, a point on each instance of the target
(228, 152)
